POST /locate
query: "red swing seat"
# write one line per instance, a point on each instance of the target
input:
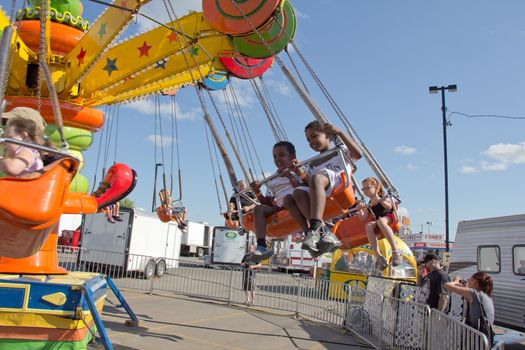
(352, 231)
(282, 223)
(30, 207)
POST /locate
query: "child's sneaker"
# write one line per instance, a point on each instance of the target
(328, 242)
(117, 218)
(397, 258)
(263, 252)
(311, 241)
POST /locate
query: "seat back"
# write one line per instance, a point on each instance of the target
(31, 206)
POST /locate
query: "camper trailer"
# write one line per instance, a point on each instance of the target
(139, 243)
(495, 246)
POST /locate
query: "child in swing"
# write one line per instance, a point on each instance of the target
(280, 191)
(21, 160)
(113, 212)
(179, 213)
(381, 209)
(324, 175)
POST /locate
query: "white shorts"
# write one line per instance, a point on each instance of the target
(334, 180)
(279, 199)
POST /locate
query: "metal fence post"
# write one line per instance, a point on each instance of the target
(298, 296)
(381, 324)
(230, 286)
(151, 285)
(347, 309)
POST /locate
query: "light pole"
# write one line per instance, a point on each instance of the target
(429, 223)
(434, 90)
(155, 187)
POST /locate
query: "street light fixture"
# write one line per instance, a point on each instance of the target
(434, 90)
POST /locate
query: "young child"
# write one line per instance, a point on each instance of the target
(381, 209)
(176, 213)
(281, 189)
(323, 177)
(21, 160)
(113, 212)
(231, 216)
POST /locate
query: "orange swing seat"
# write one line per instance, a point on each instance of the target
(30, 207)
(352, 231)
(282, 224)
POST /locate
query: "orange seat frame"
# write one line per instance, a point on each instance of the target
(282, 224)
(30, 207)
(352, 231)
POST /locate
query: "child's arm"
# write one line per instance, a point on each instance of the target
(256, 187)
(363, 212)
(14, 166)
(386, 203)
(353, 148)
(299, 171)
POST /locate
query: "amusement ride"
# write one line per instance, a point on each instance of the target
(54, 61)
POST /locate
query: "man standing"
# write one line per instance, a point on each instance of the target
(433, 292)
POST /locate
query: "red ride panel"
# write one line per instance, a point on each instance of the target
(245, 67)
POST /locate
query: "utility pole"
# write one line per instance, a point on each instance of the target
(434, 90)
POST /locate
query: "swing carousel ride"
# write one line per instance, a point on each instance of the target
(54, 61)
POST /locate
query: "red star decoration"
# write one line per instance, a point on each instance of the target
(123, 4)
(144, 49)
(173, 36)
(80, 56)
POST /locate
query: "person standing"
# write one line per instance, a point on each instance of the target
(433, 292)
(251, 263)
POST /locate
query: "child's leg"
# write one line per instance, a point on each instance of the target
(372, 237)
(260, 213)
(318, 184)
(302, 200)
(293, 208)
(382, 223)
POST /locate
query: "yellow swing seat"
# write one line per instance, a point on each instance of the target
(30, 207)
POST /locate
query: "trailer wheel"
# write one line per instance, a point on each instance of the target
(200, 252)
(149, 270)
(161, 268)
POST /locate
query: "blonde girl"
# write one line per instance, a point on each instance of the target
(381, 209)
(20, 160)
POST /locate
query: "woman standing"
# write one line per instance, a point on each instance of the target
(477, 292)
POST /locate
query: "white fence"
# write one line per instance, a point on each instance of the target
(384, 315)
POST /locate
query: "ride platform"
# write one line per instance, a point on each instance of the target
(54, 311)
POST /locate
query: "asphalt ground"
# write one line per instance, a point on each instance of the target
(178, 322)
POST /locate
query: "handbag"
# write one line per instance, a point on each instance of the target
(484, 326)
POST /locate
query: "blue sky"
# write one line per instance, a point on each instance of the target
(378, 59)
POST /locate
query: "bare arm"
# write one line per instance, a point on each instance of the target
(386, 203)
(456, 287)
(14, 166)
(443, 302)
(353, 148)
(258, 266)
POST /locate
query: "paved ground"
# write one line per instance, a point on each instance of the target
(175, 322)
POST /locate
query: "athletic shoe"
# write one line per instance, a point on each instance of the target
(381, 263)
(397, 258)
(311, 241)
(328, 242)
(117, 218)
(263, 252)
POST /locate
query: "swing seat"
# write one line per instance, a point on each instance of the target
(352, 231)
(119, 181)
(282, 223)
(30, 207)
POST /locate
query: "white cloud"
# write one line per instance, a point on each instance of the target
(403, 211)
(503, 156)
(155, 139)
(157, 10)
(467, 169)
(300, 14)
(507, 153)
(412, 167)
(147, 106)
(278, 86)
(405, 150)
(243, 91)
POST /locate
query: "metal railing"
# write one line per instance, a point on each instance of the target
(385, 315)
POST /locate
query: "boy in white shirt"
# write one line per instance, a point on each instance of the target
(323, 176)
(281, 190)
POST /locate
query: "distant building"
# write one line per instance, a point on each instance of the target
(422, 243)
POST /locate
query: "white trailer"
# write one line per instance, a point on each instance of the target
(196, 239)
(140, 242)
(495, 246)
(289, 255)
(229, 246)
